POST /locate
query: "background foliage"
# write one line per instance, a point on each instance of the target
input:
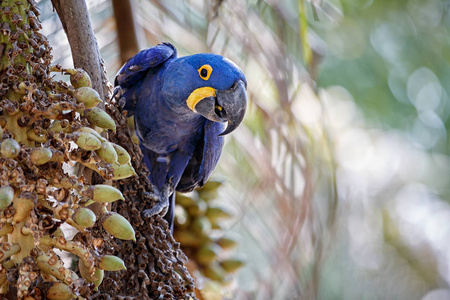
(339, 176)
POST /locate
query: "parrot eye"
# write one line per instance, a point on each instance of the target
(205, 71)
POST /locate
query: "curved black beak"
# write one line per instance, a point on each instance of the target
(225, 106)
(232, 105)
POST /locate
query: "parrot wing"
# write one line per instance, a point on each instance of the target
(137, 66)
(204, 159)
(135, 69)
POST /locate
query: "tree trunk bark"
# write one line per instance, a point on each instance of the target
(74, 17)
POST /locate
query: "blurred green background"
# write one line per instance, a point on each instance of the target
(339, 176)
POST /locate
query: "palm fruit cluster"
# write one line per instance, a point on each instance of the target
(155, 262)
(200, 229)
(47, 128)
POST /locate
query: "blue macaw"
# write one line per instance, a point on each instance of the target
(180, 106)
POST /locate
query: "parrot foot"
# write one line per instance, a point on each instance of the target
(118, 97)
(117, 93)
(163, 205)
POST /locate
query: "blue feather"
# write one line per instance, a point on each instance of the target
(181, 147)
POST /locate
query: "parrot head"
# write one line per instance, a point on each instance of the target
(209, 85)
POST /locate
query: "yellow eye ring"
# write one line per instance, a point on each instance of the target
(205, 71)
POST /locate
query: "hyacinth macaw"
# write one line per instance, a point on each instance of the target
(180, 106)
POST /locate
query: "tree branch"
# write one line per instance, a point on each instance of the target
(126, 30)
(85, 51)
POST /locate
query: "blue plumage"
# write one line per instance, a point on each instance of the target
(180, 107)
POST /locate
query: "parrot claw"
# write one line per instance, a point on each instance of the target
(117, 92)
(118, 97)
(163, 205)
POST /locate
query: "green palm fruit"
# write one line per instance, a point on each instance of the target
(130, 125)
(87, 141)
(226, 242)
(198, 208)
(211, 290)
(99, 117)
(185, 200)
(35, 202)
(207, 253)
(79, 78)
(10, 148)
(122, 171)
(135, 138)
(92, 131)
(108, 153)
(104, 193)
(6, 196)
(231, 265)
(88, 96)
(186, 238)
(182, 219)
(119, 227)
(84, 217)
(40, 155)
(123, 157)
(201, 225)
(211, 185)
(214, 213)
(215, 272)
(209, 190)
(111, 263)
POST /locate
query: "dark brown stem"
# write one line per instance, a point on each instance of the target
(74, 17)
(126, 31)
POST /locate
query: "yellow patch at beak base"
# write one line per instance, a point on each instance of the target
(198, 94)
